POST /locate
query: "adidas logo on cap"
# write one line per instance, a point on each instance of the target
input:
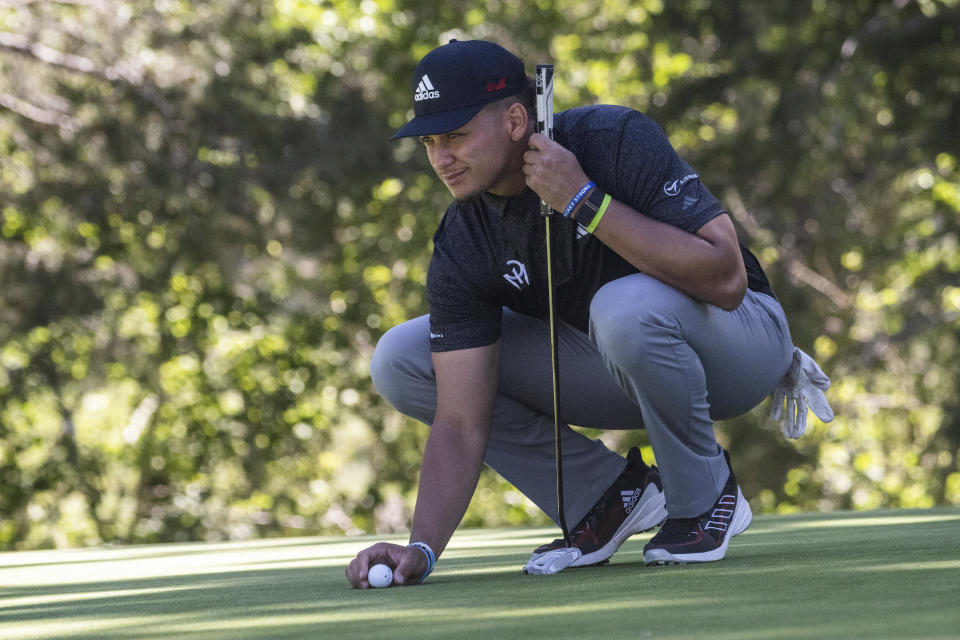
(452, 83)
(425, 90)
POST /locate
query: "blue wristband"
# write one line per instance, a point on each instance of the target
(431, 558)
(577, 198)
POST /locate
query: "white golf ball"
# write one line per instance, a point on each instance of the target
(380, 575)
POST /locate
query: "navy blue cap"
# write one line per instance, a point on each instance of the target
(455, 81)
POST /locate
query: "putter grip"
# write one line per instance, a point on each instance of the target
(545, 112)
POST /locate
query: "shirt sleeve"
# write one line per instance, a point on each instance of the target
(628, 155)
(656, 180)
(462, 316)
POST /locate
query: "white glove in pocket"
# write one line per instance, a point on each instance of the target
(803, 386)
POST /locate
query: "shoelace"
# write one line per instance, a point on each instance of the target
(680, 525)
(587, 520)
(573, 534)
(590, 517)
(603, 504)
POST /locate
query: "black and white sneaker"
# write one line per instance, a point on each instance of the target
(702, 539)
(634, 503)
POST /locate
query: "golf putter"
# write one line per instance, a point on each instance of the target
(545, 126)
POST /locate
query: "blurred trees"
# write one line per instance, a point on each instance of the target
(204, 229)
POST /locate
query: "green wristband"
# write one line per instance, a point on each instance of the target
(599, 214)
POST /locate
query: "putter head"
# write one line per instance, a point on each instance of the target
(553, 561)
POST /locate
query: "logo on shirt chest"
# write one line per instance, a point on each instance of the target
(517, 276)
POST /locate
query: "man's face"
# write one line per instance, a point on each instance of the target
(474, 159)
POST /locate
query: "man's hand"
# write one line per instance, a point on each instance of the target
(552, 171)
(408, 564)
(466, 386)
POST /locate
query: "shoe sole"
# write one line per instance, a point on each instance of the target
(742, 517)
(650, 511)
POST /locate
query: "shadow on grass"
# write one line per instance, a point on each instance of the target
(176, 606)
(787, 577)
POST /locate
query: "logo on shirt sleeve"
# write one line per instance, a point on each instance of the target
(673, 188)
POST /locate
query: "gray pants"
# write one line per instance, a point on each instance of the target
(654, 359)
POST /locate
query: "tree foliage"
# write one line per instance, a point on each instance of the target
(204, 229)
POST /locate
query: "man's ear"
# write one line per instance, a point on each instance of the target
(516, 120)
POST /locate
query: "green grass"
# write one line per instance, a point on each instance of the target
(880, 574)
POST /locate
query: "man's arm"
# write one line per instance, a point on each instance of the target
(466, 386)
(706, 265)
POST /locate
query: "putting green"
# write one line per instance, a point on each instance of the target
(878, 574)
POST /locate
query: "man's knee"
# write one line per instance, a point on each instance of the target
(632, 317)
(401, 359)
